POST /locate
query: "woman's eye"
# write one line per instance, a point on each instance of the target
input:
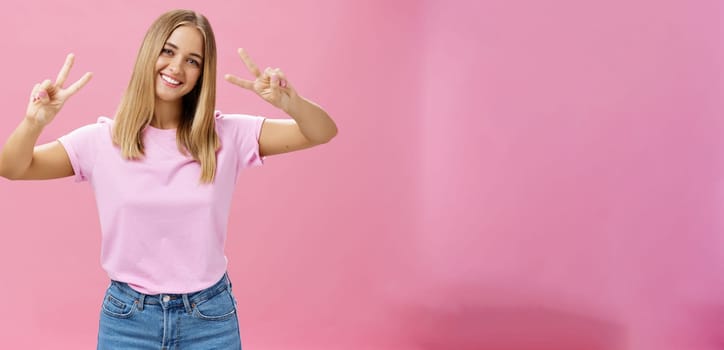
(194, 62)
(167, 52)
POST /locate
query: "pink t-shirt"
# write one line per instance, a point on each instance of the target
(163, 231)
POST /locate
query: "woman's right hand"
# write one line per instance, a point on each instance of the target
(48, 98)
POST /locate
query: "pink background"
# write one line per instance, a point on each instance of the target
(508, 175)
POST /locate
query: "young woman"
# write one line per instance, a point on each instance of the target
(163, 172)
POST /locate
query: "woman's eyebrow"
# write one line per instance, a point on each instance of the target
(191, 54)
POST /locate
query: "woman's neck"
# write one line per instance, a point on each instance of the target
(166, 114)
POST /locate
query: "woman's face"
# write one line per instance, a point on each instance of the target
(179, 64)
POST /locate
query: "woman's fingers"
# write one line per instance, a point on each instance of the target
(45, 85)
(40, 97)
(49, 96)
(63, 74)
(282, 78)
(45, 91)
(274, 84)
(34, 93)
(79, 84)
(246, 84)
(276, 77)
(42, 94)
(250, 65)
(271, 83)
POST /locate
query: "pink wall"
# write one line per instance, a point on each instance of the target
(508, 174)
(571, 176)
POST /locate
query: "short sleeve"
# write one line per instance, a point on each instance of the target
(243, 131)
(82, 145)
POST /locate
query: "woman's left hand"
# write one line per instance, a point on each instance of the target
(271, 84)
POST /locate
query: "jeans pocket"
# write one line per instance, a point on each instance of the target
(219, 308)
(118, 307)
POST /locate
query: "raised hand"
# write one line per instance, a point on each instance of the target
(48, 98)
(271, 85)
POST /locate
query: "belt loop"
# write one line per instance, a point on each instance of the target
(228, 281)
(185, 297)
(141, 301)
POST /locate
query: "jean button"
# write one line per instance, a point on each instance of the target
(166, 298)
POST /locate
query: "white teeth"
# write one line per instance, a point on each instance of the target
(170, 80)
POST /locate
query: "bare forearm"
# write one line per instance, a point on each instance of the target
(17, 153)
(313, 121)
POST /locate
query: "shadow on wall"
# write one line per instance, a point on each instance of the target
(516, 327)
(699, 326)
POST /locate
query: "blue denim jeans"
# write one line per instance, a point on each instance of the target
(205, 319)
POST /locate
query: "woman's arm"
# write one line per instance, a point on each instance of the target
(310, 124)
(19, 158)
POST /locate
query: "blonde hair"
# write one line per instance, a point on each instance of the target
(196, 134)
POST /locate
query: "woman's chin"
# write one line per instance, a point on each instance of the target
(168, 96)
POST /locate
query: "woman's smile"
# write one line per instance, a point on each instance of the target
(169, 81)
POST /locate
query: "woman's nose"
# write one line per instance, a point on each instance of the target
(174, 65)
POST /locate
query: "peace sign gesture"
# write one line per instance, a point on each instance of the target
(271, 84)
(48, 98)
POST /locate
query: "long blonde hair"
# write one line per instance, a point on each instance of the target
(195, 134)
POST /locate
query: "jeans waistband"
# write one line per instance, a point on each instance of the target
(189, 299)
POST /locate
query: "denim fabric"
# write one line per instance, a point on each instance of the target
(202, 320)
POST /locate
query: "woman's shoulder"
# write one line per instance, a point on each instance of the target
(235, 117)
(101, 124)
(236, 122)
(90, 135)
(104, 120)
